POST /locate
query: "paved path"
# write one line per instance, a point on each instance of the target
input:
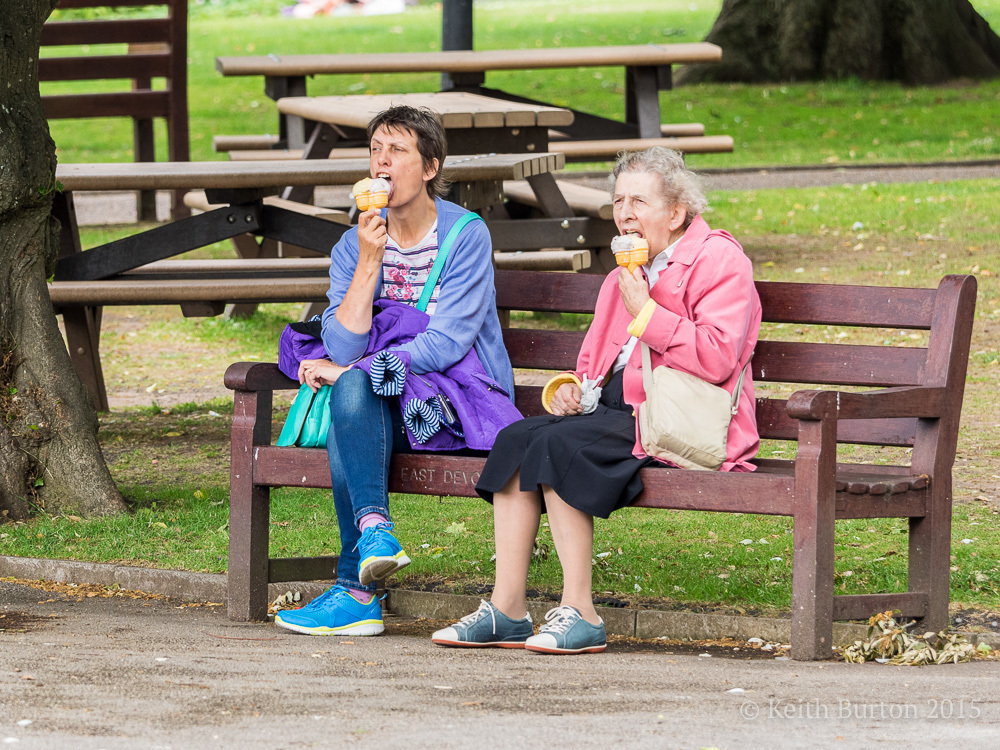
(123, 673)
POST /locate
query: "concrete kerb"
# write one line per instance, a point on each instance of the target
(638, 623)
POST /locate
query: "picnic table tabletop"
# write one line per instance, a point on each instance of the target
(470, 61)
(227, 175)
(454, 110)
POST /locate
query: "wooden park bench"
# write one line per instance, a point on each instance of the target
(881, 396)
(154, 48)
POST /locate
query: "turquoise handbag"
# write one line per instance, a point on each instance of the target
(308, 420)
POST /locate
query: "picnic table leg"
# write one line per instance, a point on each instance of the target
(549, 196)
(249, 509)
(642, 100)
(813, 537)
(83, 334)
(278, 87)
(82, 324)
(322, 139)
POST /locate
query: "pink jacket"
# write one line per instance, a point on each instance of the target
(706, 322)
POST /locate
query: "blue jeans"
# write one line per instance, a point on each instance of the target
(364, 432)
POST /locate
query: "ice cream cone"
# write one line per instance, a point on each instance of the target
(379, 192)
(361, 193)
(631, 251)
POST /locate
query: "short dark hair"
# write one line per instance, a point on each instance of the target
(431, 141)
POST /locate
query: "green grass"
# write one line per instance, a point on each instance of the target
(810, 123)
(688, 558)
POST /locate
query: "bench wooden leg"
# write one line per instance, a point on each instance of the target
(249, 510)
(930, 555)
(813, 535)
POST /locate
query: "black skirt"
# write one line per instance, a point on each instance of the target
(587, 459)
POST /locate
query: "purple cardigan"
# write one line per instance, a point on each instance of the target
(482, 406)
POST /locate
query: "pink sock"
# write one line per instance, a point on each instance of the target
(362, 596)
(371, 519)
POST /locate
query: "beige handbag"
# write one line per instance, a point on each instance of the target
(684, 419)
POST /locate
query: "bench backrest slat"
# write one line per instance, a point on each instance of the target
(141, 104)
(543, 350)
(795, 363)
(156, 49)
(563, 292)
(826, 304)
(147, 65)
(67, 4)
(837, 364)
(128, 31)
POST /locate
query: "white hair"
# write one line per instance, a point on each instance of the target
(678, 184)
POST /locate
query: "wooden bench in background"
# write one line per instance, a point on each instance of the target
(156, 49)
(911, 397)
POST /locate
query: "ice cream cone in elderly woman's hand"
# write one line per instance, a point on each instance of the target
(630, 250)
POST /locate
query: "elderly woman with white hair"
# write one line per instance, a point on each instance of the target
(694, 304)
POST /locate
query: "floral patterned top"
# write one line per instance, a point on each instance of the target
(405, 270)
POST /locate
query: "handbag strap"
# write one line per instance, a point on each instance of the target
(647, 378)
(442, 256)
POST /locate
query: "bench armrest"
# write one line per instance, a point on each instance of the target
(257, 376)
(910, 401)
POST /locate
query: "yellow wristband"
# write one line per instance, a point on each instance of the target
(550, 388)
(638, 326)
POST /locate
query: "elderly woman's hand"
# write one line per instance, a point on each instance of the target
(634, 290)
(566, 400)
(319, 372)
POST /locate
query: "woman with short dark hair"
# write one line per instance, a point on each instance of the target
(388, 261)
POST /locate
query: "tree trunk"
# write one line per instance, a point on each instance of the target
(49, 455)
(913, 41)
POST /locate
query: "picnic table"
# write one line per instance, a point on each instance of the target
(647, 72)
(246, 194)
(473, 124)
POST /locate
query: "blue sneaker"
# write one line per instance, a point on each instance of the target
(566, 632)
(380, 553)
(487, 626)
(334, 612)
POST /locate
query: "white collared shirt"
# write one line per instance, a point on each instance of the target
(653, 270)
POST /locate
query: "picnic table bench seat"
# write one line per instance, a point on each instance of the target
(228, 144)
(877, 395)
